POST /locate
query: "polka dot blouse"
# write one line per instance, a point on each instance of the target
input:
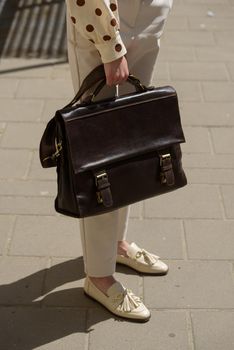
(98, 21)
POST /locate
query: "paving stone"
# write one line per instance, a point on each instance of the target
(61, 71)
(27, 205)
(191, 201)
(161, 72)
(176, 53)
(2, 128)
(197, 140)
(206, 160)
(207, 114)
(210, 176)
(23, 135)
(8, 87)
(65, 280)
(45, 88)
(46, 236)
(21, 62)
(161, 237)
(21, 279)
(178, 2)
(189, 38)
(136, 210)
(64, 284)
(176, 23)
(36, 171)
(200, 9)
(51, 106)
(199, 2)
(191, 284)
(13, 163)
(230, 67)
(223, 140)
(6, 225)
(228, 197)
(28, 188)
(198, 71)
(169, 332)
(215, 54)
(210, 239)
(225, 38)
(26, 70)
(213, 329)
(218, 91)
(46, 328)
(187, 91)
(21, 110)
(210, 23)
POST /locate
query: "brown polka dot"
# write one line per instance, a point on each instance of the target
(113, 22)
(106, 37)
(98, 12)
(118, 47)
(73, 19)
(92, 41)
(113, 7)
(89, 28)
(80, 2)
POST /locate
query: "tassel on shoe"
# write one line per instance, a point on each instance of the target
(128, 301)
(149, 258)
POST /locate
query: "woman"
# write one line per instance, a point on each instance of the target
(124, 35)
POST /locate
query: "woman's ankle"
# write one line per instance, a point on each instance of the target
(122, 248)
(103, 283)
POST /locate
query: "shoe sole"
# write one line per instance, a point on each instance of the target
(140, 320)
(145, 273)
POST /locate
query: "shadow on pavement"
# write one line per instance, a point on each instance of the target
(27, 323)
(33, 28)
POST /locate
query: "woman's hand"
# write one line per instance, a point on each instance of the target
(116, 71)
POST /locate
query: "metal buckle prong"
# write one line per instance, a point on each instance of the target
(164, 156)
(101, 175)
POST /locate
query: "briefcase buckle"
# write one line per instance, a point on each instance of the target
(102, 176)
(163, 157)
(166, 174)
(104, 195)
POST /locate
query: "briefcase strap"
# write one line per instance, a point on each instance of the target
(104, 195)
(166, 173)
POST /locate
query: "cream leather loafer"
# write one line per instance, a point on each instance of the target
(142, 261)
(120, 301)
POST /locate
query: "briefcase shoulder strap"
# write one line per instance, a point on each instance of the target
(50, 147)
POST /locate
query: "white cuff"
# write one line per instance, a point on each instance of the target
(112, 49)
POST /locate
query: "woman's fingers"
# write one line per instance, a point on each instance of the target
(116, 71)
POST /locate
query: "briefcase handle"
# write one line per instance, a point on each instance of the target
(96, 75)
(131, 79)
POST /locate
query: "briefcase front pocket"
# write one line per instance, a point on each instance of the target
(117, 184)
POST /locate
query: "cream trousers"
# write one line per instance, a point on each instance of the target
(141, 25)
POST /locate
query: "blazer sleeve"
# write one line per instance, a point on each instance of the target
(98, 21)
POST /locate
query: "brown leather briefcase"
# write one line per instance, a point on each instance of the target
(114, 152)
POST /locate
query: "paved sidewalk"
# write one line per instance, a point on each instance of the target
(42, 305)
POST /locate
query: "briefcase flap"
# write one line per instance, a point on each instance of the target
(103, 133)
